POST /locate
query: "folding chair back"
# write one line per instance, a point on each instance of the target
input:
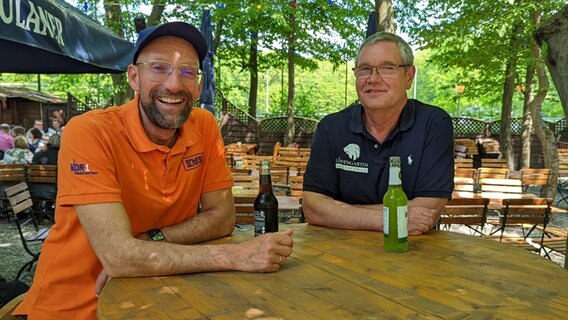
(494, 163)
(463, 163)
(521, 212)
(464, 187)
(30, 233)
(494, 173)
(501, 188)
(471, 212)
(244, 209)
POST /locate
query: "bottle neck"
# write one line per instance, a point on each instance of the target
(394, 176)
(265, 183)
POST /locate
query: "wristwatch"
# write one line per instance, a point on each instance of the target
(156, 234)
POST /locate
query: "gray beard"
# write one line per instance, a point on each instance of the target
(159, 120)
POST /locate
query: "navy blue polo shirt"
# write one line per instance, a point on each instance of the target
(349, 165)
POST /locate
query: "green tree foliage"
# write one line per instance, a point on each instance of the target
(471, 41)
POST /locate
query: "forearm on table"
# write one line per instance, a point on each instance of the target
(432, 207)
(207, 225)
(325, 211)
(138, 258)
(216, 219)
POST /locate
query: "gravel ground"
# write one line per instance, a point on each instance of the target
(13, 256)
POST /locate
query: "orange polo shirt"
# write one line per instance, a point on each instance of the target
(106, 156)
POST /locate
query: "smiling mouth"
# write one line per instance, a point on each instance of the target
(170, 100)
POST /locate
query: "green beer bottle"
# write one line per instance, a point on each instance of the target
(395, 211)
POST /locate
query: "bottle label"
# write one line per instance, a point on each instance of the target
(402, 221)
(259, 222)
(386, 221)
(402, 224)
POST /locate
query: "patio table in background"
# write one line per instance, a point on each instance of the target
(249, 147)
(346, 274)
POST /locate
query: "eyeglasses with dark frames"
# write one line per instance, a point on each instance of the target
(385, 71)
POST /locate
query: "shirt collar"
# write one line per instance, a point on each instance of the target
(405, 122)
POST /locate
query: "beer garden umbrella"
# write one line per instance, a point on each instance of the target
(51, 36)
(371, 23)
(207, 98)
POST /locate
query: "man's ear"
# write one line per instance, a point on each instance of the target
(133, 77)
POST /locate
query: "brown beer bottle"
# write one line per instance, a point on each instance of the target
(265, 204)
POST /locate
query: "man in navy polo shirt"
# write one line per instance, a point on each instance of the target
(347, 174)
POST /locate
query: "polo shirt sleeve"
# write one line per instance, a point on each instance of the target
(436, 176)
(86, 168)
(320, 175)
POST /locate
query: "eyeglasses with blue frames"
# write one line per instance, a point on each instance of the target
(385, 71)
(160, 71)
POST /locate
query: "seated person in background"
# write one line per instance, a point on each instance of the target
(6, 139)
(347, 174)
(133, 180)
(49, 155)
(34, 138)
(20, 154)
(42, 145)
(18, 131)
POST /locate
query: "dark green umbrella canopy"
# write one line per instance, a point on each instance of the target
(51, 36)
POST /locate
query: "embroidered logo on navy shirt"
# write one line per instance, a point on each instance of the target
(409, 160)
(353, 152)
(192, 162)
(81, 168)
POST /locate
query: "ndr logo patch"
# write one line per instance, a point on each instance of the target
(81, 168)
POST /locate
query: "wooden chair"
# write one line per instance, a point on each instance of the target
(297, 186)
(494, 173)
(244, 209)
(463, 163)
(535, 177)
(8, 308)
(42, 185)
(30, 233)
(10, 174)
(472, 149)
(245, 184)
(501, 188)
(471, 212)
(465, 173)
(494, 163)
(523, 212)
(554, 240)
(252, 162)
(464, 187)
(460, 152)
(562, 186)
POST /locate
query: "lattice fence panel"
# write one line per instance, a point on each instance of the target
(467, 127)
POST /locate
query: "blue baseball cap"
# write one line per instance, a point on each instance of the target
(179, 29)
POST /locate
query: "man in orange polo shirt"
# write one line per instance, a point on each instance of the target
(130, 182)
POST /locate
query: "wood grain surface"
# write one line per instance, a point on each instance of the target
(346, 274)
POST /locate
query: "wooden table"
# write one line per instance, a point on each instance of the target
(343, 274)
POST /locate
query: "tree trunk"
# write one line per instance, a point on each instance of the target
(555, 34)
(253, 69)
(543, 132)
(528, 91)
(508, 91)
(291, 130)
(385, 17)
(158, 7)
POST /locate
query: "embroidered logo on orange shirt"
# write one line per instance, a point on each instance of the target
(81, 168)
(193, 161)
